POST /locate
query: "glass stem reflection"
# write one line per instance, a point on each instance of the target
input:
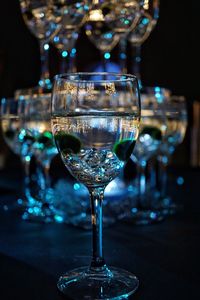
(163, 163)
(96, 198)
(26, 166)
(122, 54)
(67, 62)
(142, 184)
(136, 60)
(44, 176)
(104, 61)
(44, 56)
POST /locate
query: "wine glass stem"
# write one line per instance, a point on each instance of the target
(136, 60)
(44, 176)
(96, 198)
(142, 183)
(44, 56)
(104, 61)
(67, 64)
(26, 163)
(163, 162)
(122, 53)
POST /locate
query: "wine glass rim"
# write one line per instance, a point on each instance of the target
(119, 77)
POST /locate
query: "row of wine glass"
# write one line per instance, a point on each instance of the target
(106, 24)
(27, 131)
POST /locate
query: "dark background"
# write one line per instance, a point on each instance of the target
(170, 56)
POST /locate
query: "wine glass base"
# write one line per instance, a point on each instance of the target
(82, 284)
(145, 217)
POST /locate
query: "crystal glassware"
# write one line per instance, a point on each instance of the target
(36, 122)
(148, 20)
(17, 139)
(95, 130)
(38, 17)
(69, 16)
(122, 17)
(176, 117)
(99, 33)
(152, 132)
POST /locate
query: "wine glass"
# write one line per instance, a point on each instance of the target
(100, 34)
(176, 117)
(17, 139)
(147, 22)
(38, 17)
(69, 16)
(36, 122)
(65, 41)
(152, 132)
(95, 130)
(122, 17)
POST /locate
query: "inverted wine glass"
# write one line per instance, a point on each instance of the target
(95, 120)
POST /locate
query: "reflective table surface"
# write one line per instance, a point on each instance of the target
(164, 256)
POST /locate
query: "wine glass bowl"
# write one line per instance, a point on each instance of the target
(95, 123)
(38, 18)
(99, 33)
(121, 16)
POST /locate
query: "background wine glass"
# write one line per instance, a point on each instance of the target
(69, 16)
(37, 125)
(65, 42)
(95, 132)
(101, 35)
(176, 116)
(147, 22)
(152, 132)
(122, 17)
(38, 17)
(18, 141)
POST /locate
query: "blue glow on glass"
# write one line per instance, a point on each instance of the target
(180, 180)
(46, 46)
(138, 59)
(64, 54)
(58, 219)
(157, 89)
(145, 21)
(123, 56)
(36, 210)
(153, 215)
(76, 186)
(78, 5)
(73, 51)
(19, 201)
(107, 55)
(30, 210)
(56, 39)
(47, 81)
(27, 158)
(108, 35)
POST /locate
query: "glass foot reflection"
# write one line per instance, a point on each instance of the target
(81, 283)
